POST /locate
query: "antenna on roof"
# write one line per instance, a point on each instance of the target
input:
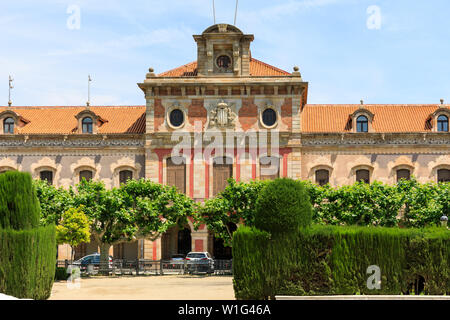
(9, 91)
(88, 103)
(235, 12)
(214, 12)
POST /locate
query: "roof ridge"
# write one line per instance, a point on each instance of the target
(269, 65)
(67, 107)
(177, 68)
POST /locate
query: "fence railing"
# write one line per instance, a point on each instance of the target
(149, 267)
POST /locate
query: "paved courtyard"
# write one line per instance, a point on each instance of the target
(176, 287)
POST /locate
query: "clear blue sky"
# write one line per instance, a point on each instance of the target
(406, 59)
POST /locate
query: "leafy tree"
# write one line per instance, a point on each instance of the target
(53, 201)
(137, 210)
(73, 229)
(234, 205)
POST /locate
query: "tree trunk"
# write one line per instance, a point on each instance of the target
(104, 258)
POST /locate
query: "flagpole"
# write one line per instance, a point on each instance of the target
(235, 12)
(214, 12)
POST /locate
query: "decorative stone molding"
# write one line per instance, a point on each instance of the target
(176, 105)
(435, 115)
(442, 162)
(7, 164)
(362, 162)
(96, 119)
(46, 164)
(362, 111)
(261, 122)
(124, 163)
(402, 162)
(9, 114)
(72, 143)
(222, 116)
(85, 163)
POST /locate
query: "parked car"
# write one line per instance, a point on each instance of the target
(200, 262)
(177, 259)
(91, 259)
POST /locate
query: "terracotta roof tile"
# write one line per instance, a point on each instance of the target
(257, 68)
(61, 120)
(387, 118)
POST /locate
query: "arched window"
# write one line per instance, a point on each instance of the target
(86, 174)
(363, 175)
(87, 125)
(46, 175)
(403, 174)
(442, 123)
(125, 175)
(443, 175)
(322, 177)
(362, 124)
(8, 125)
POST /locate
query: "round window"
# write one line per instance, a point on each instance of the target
(223, 62)
(176, 117)
(269, 117)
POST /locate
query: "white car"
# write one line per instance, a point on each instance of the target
(199, 262)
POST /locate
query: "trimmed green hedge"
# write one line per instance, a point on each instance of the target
(27, 262)
(27, 251)
(330, 260)
(19, 205)
(283, 206)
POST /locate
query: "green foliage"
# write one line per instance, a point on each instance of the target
(234, 205)
(73, 228)
(283, 206)
(425, 203)
(61, 273)
(53, 201)
(138, 209)
(27, 262)
(19, 206)
(27, 251)
(332, 260)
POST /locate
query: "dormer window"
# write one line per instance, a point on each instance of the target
(362, 124)
(8, 125)
(442, 123)
(361, 120)
(87, 125)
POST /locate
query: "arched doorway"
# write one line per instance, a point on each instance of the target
(220, 251)
(184, 241)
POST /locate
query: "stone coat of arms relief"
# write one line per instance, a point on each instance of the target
(222, 116)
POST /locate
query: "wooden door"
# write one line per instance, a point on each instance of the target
(176, 174)
(222, 171)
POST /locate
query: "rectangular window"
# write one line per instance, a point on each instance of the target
(46, 176)
(322, 177)
(363, 175)
(403, 174)
(125, 175)
(176, 174)
(86, 174)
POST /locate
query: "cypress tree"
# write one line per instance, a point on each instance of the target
(27, 250)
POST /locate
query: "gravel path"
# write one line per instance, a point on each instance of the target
(177, 287)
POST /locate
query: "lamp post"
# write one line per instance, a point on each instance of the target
(444, 221)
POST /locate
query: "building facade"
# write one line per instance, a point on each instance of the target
(225, 115)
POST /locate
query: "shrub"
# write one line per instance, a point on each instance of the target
(333, 260)
(283, 206)
(19, 206)
(27, 251)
